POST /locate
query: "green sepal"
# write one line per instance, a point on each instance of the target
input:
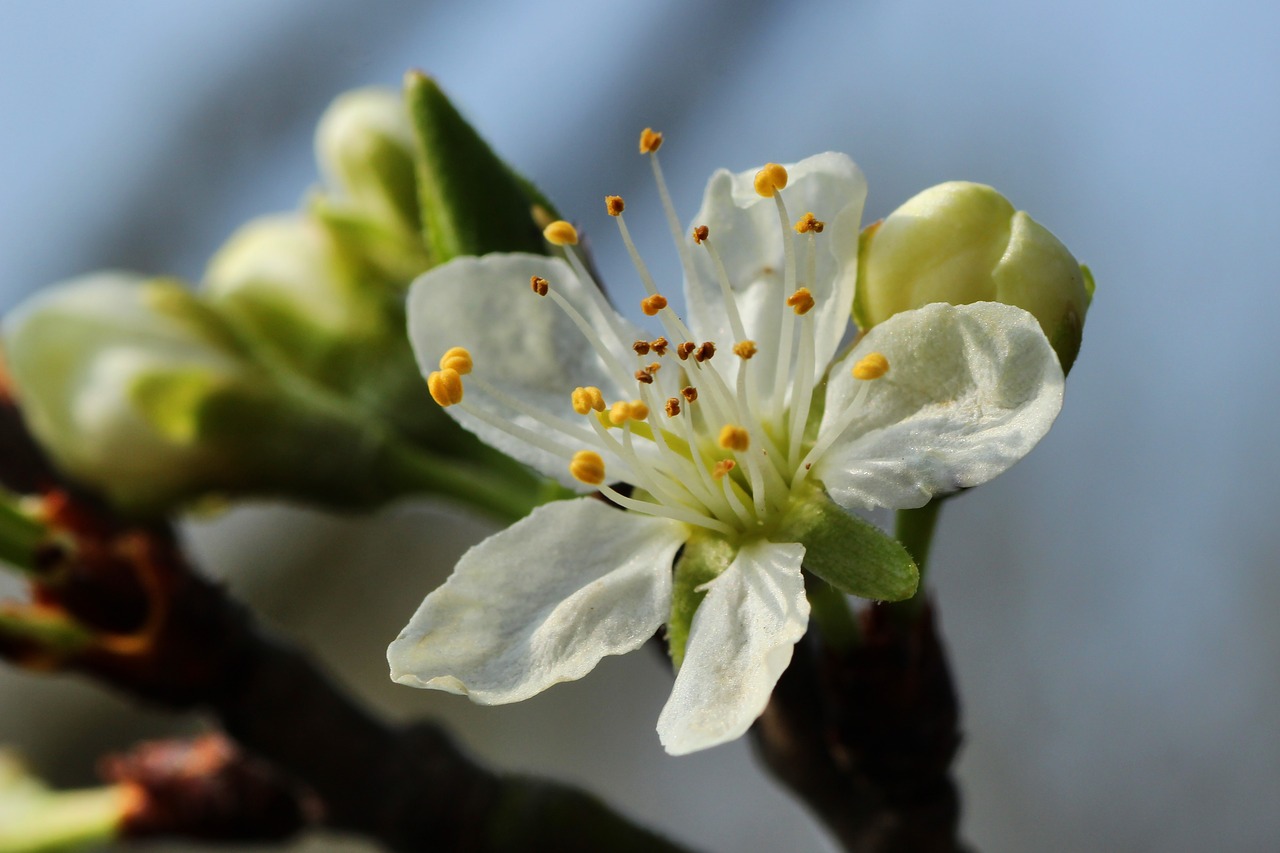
(703, 559)
(853, 555)
(47, 631)
(471, 202)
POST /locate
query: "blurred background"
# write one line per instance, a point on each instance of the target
(1110, 603)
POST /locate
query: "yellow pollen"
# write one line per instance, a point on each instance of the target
(587, 467)
(561, 233)
(614, 204)
(586, 399)
(659, 346)
(639, 411)
(808, 223)
(705, 352)
(770, 179)
(744, 349)
(445, 386)
(651, 305)
(689, 393)
(642, 347)
(540, 285)
(871, 366)
(701, 233)
(734, 438)
(724, 466)
(457, 359)
(801, 300)
(673, 406)
(685, 350)
(650, 140)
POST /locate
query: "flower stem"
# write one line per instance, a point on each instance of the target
(20, 534)
(505, 495)
(830, 611)
(914, 529)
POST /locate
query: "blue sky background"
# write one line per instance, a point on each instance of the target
(1110, 602)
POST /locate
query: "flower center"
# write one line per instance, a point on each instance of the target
(702, 441)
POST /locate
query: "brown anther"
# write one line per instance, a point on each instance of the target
(653, 367)
(801, 301)
(734, 438)
(705, 352)
(724, 466)
(689, 393)
(615, 205)
(701, 233)
(673, 407)
(651, 305)
(659, 346)
(744, 349)
(644, 376)
(809, 223)
(650, 140)
(539, 285)
(685, 350)
(642, 347)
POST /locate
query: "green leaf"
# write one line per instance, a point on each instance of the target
(703, 559)
(852, 555)
(472, 203)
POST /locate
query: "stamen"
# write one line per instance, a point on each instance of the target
(724, 466)
(644, 376)
(802, 395)
(589, 332)
(561, 233)
(615, 205)
(801, 301)
(785, 330)
(770, 179)
(705, 352)
(871, 366)
(685, 350)
(587, 467)
(650, 140)
(688, 516)
(456, 358)
(641, 347)
(659, 346)
(587, 399)
(445, 387)
(540, 285)
(810, 223)
(700, 234)
(623, 411)
(734, 438)
(651, 305)
(689, 393)
(745, 349)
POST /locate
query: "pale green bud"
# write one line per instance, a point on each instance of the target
(364, 147)
(113, 372)
(962, 242)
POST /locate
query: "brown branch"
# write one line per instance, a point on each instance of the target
(866, 738)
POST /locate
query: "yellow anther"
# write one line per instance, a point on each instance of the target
(673, 406)
(701, 233)
(801, 300)
(623, 411)
(745, 349)
(540, 285)
(639, 411)
(689, 393)
(871, 366)
(724, 466)
(445, 386)
(587, 467)
(659, 346)
(457, 359)
(650, 140)
(808, 223)
(587, 399)
(642, 347)
(651, 305)
(685, 350)
(614, 204)
(561, 233)
(734, 438)
(705, 352)
(770, 179)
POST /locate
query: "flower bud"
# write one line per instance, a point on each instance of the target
(962, 242)
(364, 146)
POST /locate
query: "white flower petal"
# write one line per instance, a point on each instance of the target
(740, 643)
(522, 344)
(542, 602)
(970, 390)
(746, 232)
